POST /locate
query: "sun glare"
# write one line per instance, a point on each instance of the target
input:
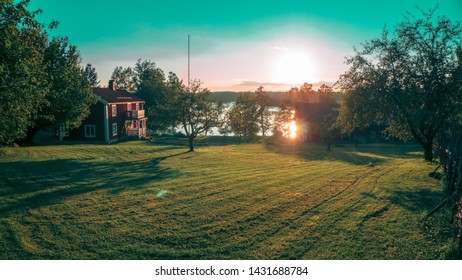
(293, 67)
(292, 126)
(292, 130)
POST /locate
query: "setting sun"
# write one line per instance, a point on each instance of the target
(293, 67)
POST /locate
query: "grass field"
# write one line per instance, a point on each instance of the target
(137, 200)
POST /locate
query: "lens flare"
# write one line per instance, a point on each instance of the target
(292, 130)
(161, 193)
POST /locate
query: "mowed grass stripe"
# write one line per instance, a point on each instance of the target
(219, 194)
(248, 201)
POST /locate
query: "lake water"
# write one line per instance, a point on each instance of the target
(215, 131)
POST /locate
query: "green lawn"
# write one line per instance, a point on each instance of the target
(137, 200)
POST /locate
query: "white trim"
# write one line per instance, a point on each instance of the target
(106, 123)
(114, 112)
(114, 131)
(91, 130)
(102, 100)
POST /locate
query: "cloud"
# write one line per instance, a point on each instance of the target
(257, 84)
(249, 83)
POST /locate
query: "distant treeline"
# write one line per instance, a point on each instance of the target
(275, 97)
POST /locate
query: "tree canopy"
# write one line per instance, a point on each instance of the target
(405, 78)
(243, 117)
(193, 109)
(264, 115)
(41, 81)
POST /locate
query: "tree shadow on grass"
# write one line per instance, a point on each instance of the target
(360, 155)
(417, 201)
(34, 184)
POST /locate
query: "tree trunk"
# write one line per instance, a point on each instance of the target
(328, 143)
(191, 143)
(428, 151)
(426, 142)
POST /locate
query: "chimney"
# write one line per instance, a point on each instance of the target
(112, 85)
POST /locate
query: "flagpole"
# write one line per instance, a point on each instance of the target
(189, 64)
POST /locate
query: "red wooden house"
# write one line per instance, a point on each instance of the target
(117, 115)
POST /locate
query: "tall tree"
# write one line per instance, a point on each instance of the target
(243, 116)
(153, 88)
(124, 78)
(89, 72)
(283, 118)
(264, 115)
(406, 80)
(194, 110)
(328, 113)
(305, 94)
(23, 78)
(70, 96)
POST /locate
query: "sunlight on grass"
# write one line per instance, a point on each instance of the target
(371, 155)
(136, 200)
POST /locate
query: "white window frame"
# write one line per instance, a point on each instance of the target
(114, 129)
(114, 110)
(383, 134)
(90, 130)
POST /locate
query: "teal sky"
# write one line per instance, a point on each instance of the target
(235, 45)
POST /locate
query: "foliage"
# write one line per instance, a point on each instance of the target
(328, 113)
(42, 83)
(242, 118)
(89, 72)
(23, 84)
(70, 95)
(305, 93)
(282, 119)
(154, 89)
(405, 80)
(193, 108)
(264, 115)
(124, 78)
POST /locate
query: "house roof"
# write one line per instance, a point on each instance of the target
(116, 96)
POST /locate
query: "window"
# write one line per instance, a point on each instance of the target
(114, 129)
(114, 110)
(134, 124)
(90, 130)
(372, 134)
(129, 106)
(383, 135)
